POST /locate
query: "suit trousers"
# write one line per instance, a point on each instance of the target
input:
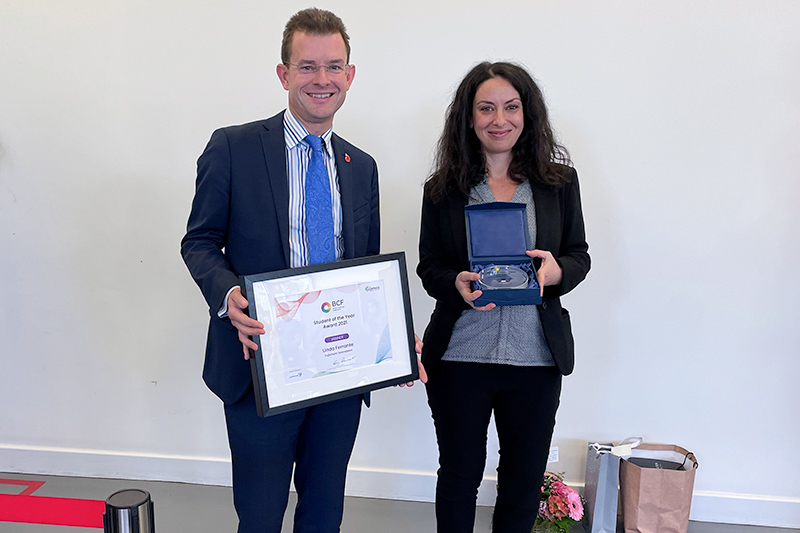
(319, 439)
(462, 398)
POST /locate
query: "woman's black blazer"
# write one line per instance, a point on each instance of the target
(443, 254)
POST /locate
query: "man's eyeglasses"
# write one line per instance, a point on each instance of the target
(336, 69)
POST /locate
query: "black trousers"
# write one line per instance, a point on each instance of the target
(462, 398)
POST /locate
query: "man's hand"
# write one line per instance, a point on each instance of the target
(464, 288)
(549, 272)
(423, 376)
(245, 325)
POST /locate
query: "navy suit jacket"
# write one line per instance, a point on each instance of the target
(443, 254)
(239, 225)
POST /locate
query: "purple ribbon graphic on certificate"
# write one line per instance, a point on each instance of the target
(332, 330)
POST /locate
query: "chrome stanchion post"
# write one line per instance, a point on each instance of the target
(129, 511)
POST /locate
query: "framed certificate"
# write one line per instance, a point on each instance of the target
(331, 330)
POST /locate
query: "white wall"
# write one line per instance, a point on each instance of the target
(683, 121)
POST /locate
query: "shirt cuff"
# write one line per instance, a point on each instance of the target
(223, 311)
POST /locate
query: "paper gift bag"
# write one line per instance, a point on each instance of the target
(657, 497)
(601, 487)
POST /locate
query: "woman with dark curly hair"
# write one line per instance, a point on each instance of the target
(497, 146)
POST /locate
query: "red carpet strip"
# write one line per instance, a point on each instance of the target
(28, 509)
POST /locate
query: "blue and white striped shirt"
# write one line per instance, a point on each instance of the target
(298, 156)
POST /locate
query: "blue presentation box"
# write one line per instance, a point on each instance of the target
(497, 235)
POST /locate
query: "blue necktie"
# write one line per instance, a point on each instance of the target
(319, 213)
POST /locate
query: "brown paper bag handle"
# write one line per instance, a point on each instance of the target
(690, 455)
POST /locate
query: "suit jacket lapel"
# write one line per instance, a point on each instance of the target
(345, 172)
(459, 225)
(548, 217)
(274, 146)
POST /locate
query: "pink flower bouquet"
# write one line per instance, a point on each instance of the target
(561, 506)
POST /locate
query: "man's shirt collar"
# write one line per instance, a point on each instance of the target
(295, 133)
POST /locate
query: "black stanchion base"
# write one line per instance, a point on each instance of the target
(129, 511)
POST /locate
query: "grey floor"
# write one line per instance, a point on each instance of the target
(182, 508)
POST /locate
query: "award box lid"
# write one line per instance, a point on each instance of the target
(496, 230)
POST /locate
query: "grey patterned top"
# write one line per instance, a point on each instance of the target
(509, 335)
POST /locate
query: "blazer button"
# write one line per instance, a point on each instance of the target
(544, 305)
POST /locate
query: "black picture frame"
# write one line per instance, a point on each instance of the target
(279, 386)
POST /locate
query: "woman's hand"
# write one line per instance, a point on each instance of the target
(423, 376)
(464, 288)
(549, 272)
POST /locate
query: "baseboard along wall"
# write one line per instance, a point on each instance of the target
(707, 506)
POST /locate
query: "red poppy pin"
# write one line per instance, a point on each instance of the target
(346, 157)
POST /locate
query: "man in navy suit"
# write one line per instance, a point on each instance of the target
(249, 216)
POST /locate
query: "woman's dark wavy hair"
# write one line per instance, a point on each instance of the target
(536, 155)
